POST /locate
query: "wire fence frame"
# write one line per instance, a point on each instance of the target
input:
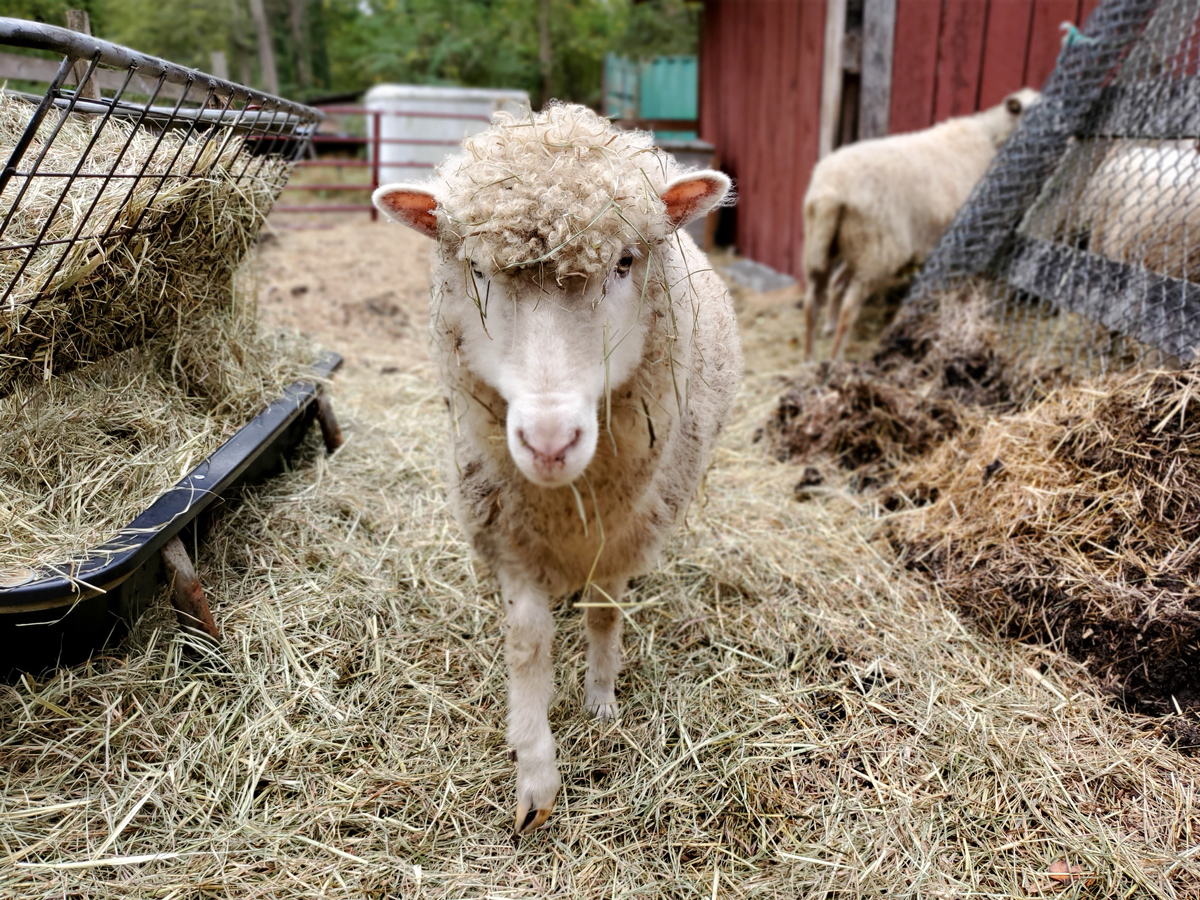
(1082, 231)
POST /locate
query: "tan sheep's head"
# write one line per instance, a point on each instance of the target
(552, 231)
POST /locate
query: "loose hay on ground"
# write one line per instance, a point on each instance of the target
(1077, 523)
(800, 718)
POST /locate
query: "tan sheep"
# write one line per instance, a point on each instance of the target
(590, 359)
(875, 207)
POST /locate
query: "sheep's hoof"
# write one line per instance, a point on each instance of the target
(827, 330)
(537, 789)
(530, 818)
(603, 708)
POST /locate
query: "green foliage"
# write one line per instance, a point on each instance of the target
(51, 12)
(662, 28)
(349, 45)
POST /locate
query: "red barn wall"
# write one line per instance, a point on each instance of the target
(760, 89)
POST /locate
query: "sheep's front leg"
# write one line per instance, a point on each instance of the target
(528, 632)
(604, 648)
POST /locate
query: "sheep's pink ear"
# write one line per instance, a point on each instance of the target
(691, 196)
(409, 205)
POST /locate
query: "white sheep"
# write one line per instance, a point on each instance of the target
(1142, 205)
(875, 207)
(590, 358)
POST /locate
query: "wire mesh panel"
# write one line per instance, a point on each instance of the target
(1085, 233)
(130, 191)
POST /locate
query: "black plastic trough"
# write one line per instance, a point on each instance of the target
(61, 615)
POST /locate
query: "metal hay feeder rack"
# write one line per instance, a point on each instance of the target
(187, 119)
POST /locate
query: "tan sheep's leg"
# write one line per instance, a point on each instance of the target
(856, 293)
(528, 633)
(814, 299)
(837, 289)
(604, 648)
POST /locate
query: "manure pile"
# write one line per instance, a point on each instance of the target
(915, 392)
(1057, 511)
(1077, 523)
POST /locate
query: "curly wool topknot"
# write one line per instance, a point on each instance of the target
(562, 188)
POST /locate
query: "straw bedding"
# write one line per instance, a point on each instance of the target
(84, 453)
(801, 715)
(196, 207)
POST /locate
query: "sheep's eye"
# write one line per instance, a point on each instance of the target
(475, 271)
(624, 264)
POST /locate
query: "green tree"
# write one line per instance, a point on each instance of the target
(337, 46)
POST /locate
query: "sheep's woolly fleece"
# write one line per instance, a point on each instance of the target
(563, 188)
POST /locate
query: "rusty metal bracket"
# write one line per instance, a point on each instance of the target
(187, 594)
(331, 431)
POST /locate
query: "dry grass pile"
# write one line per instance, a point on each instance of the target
(196, 208)
(868, 417)
(1078, 522)
(82, 454)
(799, 718)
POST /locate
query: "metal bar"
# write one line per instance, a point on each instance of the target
(1154, 309)
(361, 186)
(350, 139)
(414, 114)
(333, 163)
(53, 212)
(26, 139)
(1160, 110)
(108, 175)
(83, 157)
(146, 163)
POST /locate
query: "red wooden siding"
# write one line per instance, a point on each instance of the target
(960, 58)
(914, 58)
(760, 89)
(760, 99)
(1005, 49)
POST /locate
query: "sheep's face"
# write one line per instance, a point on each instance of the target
(1015, 105)
(553, 349)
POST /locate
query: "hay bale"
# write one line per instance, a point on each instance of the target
(1077, 523)
(153, 250)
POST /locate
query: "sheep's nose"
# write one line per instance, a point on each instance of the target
(548, 443)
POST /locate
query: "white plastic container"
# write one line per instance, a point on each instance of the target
(443, 117)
